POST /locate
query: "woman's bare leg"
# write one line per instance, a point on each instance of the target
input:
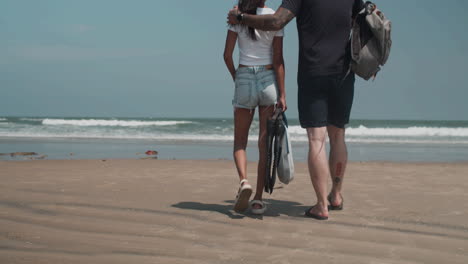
(242, 120)
(264, 113)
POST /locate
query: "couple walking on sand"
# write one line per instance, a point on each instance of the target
(325, 90)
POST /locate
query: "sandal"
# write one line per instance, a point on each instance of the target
(335, 207)
(243, 196)
(315, 216)
(257, 211)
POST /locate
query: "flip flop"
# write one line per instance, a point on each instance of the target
(315, 216)
(243, 196)
(335, 207)
(257, 211)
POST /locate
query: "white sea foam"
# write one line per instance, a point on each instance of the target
(296, 130)
(162, 137)
(31, 119)
(3, 119)
(210, 138)
(409, 132)
(103, 122)
(363, 131)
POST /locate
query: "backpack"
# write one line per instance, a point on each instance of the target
(370, 41)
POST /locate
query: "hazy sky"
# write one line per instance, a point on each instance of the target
(152, 58)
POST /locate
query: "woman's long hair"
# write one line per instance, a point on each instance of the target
(250, 7)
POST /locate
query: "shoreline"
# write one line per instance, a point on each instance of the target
(57, 149)
(180, 211)
(156, 159)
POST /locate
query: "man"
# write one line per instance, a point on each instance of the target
(325, 96)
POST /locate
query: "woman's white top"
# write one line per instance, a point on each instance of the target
(256, 52)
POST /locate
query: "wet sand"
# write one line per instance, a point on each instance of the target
(163, 211)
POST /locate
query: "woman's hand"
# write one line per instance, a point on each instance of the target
(282, 103)
(234, 75)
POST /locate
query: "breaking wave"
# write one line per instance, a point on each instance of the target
(109, 123)
(397, 132)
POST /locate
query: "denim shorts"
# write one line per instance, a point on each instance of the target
(255, 86)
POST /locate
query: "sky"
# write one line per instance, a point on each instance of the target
(153, 58)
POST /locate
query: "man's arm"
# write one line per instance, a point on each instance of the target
(274, 22)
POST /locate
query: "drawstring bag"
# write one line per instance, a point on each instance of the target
(286, 162)
(279, 157)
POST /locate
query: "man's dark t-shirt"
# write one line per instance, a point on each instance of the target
(324, 27)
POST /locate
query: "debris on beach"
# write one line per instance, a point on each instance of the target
(14, 154)
(25, 155)
(41, 157)
(153, 154)
(149, 158)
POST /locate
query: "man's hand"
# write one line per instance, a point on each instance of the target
(232, 16)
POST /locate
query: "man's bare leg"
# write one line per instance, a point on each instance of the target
(338, 162)
(318, 168)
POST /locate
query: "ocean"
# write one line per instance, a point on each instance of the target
(211, 138)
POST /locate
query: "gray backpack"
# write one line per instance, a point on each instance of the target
(370, 41)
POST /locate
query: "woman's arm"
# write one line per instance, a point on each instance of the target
(228, 50)
(278, 66)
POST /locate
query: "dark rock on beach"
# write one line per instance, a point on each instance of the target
(14, 154)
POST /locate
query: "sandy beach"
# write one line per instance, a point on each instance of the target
(163, 211)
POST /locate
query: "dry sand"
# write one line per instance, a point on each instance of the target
(149, 211)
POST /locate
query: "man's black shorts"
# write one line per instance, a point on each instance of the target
(325, 100)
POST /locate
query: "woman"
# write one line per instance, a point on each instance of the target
(259, 81)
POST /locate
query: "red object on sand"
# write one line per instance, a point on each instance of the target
(151, 152)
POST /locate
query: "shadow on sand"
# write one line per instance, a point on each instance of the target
(275, 208)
